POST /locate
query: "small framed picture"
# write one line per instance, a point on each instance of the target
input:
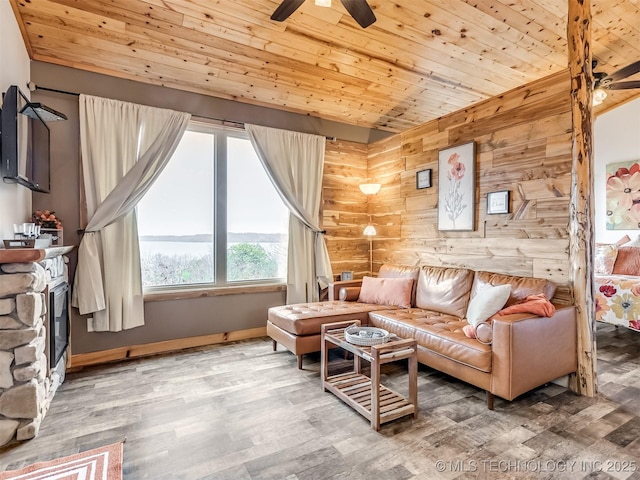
(498, 202)
(346, 276)
(423, 179)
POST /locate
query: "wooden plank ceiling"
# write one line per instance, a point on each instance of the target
(422, 58)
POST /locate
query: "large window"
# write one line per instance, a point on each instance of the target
(213, 216)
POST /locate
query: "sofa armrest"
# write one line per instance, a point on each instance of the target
(334, 288)
(529, 351)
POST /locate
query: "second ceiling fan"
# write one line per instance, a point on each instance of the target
(358, 9)
(612, 81)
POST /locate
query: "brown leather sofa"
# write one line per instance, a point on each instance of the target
(526, 350)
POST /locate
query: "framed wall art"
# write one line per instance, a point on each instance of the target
(457, 187)
(623, 195)
(423, 179)
(346, 276)
(498, 202)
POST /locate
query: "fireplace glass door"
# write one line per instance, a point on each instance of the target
(59, 323)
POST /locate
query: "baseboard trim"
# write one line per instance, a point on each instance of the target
(80, 360)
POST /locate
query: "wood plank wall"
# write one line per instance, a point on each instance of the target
(523, 144)
(345, 207)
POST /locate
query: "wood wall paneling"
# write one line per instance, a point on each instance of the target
(523, 141)
(345, 208)
(386, 165)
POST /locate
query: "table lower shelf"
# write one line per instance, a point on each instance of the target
(355, 390)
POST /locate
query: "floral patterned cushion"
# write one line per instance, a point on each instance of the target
(618, 301)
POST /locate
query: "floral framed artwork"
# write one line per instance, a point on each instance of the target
(457, 187)
(623, 195)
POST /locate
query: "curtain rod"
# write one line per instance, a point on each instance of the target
(32, 86)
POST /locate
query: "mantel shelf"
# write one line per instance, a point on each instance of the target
(28, 255)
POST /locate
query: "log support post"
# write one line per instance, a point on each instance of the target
(581, 208)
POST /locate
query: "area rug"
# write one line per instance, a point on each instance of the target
(104, 463)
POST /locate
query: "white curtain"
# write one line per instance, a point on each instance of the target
(294, 162)
(124, 148)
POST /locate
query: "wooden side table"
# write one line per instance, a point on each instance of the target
(365, 395)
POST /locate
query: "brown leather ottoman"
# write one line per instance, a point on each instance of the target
(297, 327)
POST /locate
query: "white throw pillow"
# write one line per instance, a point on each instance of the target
(488, 301)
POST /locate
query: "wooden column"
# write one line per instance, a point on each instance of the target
(581, 210)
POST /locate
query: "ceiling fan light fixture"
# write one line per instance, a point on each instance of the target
(598, 96)
(358, 9)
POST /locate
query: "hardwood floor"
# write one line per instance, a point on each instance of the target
(242, 412)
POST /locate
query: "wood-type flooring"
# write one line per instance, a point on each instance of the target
(243, 412)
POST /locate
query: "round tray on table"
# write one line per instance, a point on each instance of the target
(366, 336)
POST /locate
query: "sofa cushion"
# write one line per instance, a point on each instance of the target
(444, 290)
(521, 287)
(307, 318)
(349, 294)
(487, 302)
(627, 262)
(440, 333)
(482, 333)
(386, 291)
(389, 270)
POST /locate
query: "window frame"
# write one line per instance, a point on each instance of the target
(220, 233)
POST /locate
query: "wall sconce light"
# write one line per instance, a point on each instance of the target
(598, 96)
(370, 230)
(370, 188)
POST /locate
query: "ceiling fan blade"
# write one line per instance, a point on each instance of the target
(625, 72)
(285, 9)
(360, 11)
(623, 85)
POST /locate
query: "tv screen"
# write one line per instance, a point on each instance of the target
(25, 143)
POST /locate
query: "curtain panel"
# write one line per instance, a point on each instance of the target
(124, 148)
(294, 162)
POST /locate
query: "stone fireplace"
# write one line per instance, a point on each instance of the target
(33, 307)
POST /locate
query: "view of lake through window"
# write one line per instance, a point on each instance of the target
(180, 219)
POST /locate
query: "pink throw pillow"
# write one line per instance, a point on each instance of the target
(386, 291)
(469, 331)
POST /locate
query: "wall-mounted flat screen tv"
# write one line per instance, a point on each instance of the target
(25, 143)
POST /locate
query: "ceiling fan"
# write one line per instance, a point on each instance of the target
(612, 81)
(358, 9)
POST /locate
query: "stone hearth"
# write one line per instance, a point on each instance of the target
(27, 384)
